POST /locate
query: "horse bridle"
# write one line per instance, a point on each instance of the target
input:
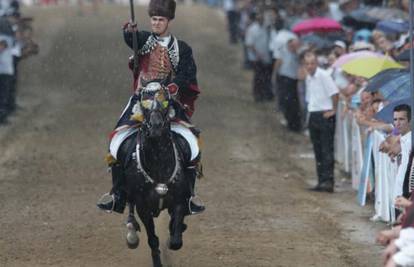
(160, 188)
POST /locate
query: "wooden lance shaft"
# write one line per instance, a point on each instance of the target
(134, 39)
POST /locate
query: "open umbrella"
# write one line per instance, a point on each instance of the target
(358, 19)
(404, 56)
(316, 25)
(383, 77)
(396, 89)
(393, 26)
(368, 17)
(368, 67)
(387, 113)
(386, 13)
(351, 56)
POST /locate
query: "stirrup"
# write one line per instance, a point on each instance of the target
(195, 205)
(106, 203)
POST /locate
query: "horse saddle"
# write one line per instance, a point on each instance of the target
(120, 136)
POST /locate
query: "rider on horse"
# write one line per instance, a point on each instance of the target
(162, 57)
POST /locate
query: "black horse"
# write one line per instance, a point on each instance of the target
(153, 161)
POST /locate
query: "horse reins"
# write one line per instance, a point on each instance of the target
(147, 177)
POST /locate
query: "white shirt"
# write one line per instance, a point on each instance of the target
(335, 12)
(229, 5)
(4, 7)
(405, 244)
(290, 63)
(257, 36)
(405, 142)
(319, 89)
(339, 78)
(279, 40)
(6, 56)
(164, 41)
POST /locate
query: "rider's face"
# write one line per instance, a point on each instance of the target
(159, 25)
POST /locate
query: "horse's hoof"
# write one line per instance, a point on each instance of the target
(175, 244)
(132, 237)
(132, 246)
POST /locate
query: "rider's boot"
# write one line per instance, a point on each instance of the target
(116, 199)
(195, 204)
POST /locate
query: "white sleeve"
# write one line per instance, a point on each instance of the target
(250, 34)
(329, 85)
(406, 238)
(276, 53)
(405, 257)
(272, 39)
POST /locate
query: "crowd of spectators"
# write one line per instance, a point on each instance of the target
(305, 73)
(16, 43)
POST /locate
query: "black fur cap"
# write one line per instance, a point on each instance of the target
(163, 8)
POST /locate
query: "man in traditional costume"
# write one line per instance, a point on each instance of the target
(161, 57)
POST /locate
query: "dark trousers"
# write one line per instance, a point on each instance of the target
(6, 84)
(289, 102)
(262, 86)
(322, 133)
(13, 87)
(233, 21)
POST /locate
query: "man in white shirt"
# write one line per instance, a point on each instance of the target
(257, 43)
(322, 99)
(229, 6)
(6, 75)
(286, 65)
(402, 119)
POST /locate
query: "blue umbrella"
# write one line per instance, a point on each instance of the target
(358, 19)
(382, 78)
(404, 56)
(387, 113)
(396, 89)
(393, 26)
(367, 17)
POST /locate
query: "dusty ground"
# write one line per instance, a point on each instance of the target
(52, 169)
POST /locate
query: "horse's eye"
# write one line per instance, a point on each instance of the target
(160, 97)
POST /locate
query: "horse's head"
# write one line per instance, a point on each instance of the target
(155, 105)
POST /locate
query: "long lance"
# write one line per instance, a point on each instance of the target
(411, 70)
(134, 39)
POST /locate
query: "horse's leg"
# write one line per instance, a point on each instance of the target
(153, 240)
(132, 228)
(177, 227)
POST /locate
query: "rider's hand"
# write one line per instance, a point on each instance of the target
(173, 89)
(130, 27)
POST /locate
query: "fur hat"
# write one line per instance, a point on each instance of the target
(163, 8)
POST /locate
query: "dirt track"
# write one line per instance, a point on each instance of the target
(52, 168)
